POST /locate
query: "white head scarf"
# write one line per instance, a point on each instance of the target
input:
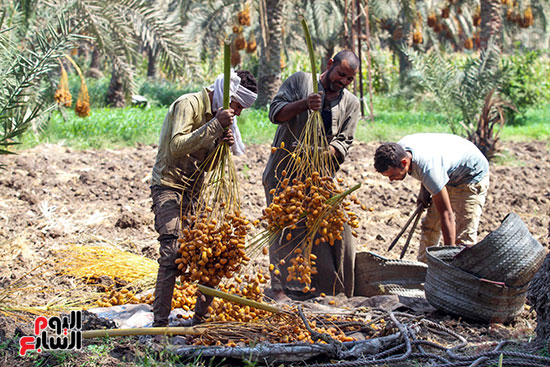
(237, 93)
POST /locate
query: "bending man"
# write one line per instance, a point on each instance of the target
(453, 171)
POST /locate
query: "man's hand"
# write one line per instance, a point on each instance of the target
(314, 101)
(424, 197)
(228, 137)
(225, 117)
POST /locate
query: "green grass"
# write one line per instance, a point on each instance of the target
(391, 126)
(111, 128)
(255, 126)
(536, 126)
(105, 128)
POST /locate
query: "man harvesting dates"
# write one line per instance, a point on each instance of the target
(193, 127)
(290, 109)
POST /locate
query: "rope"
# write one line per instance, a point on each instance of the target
(412, 347)
(315, 335)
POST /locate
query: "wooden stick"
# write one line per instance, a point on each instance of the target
(237, 299)
(418, 209)
(369, 66)
(411, 232)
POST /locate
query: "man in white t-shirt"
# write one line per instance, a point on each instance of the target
(453, 172)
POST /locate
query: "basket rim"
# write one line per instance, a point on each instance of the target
(511, 238)
(466, 273)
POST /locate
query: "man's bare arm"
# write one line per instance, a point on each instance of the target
(442, 203)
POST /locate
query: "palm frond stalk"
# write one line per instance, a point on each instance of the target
(485, 134)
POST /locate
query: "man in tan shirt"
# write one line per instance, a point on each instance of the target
(194, 125)
(340, 111)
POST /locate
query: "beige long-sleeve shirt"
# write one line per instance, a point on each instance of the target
(345, 114)
(188, 135)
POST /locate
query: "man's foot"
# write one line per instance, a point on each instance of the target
(277, 296)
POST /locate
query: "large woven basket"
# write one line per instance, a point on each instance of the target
(377, 275)
(458, 292)
(509, 254)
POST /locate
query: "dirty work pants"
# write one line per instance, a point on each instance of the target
(467, 201)
(166, 207)
(335, 264)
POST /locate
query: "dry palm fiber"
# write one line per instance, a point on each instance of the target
(308, 197)
(90, 262)
(214, 232)
(62, 282)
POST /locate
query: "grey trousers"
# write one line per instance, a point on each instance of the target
(335, 264)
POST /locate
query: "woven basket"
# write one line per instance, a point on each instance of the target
(455, 291)
(377, 275)
(510, 254)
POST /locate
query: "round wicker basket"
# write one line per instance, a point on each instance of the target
(509, 254)
(377, 275)
(458, 292)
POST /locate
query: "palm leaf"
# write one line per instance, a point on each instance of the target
(22, 70)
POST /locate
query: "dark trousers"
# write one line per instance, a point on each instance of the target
(167, 207)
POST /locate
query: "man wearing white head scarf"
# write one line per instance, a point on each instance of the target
(194, 125)
(237, 93)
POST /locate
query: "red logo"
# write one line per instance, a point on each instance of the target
(54, 333)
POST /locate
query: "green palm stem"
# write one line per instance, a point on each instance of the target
(311, 55)
(240, 300)
(226, 73)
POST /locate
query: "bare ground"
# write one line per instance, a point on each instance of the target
(51, 196)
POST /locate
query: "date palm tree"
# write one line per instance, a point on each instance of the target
(470, 92)
(28, 53)
(121, 29)
(396, 17)
(269, 80)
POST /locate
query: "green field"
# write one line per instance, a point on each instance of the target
(111, 128)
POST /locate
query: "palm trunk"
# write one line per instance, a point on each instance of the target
(403, 40)
(115, 93)
(269, 79)
(152, 64)
(491, 22)
(96, 59)
(94, 70)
